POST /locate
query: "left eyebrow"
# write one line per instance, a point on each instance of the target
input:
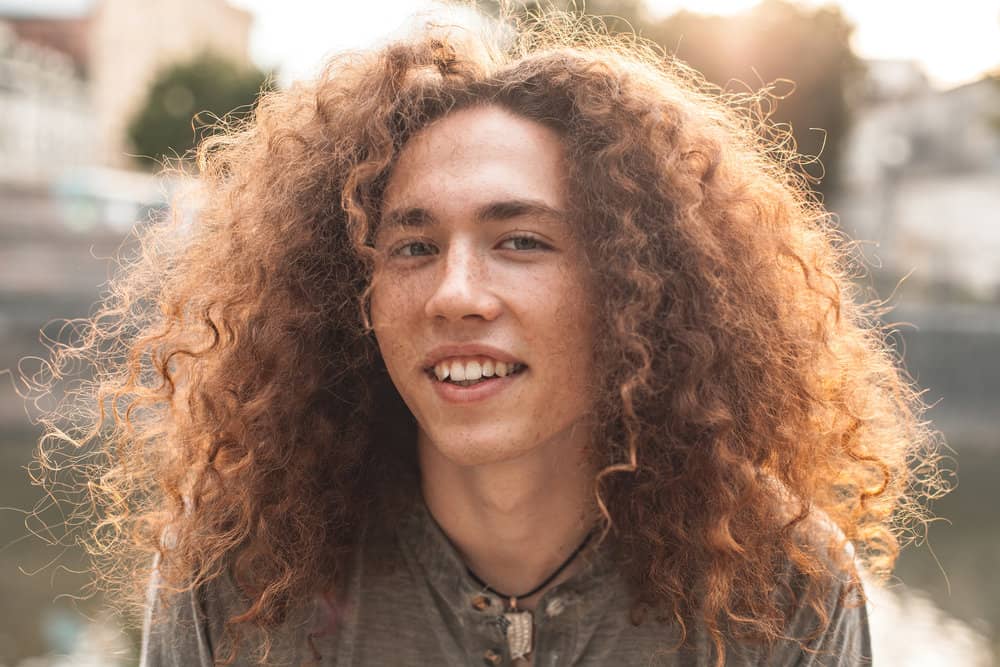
(506, 209)
(516, 208)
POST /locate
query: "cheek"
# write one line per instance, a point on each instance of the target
(566, 334)
(389, 320)
(398, 296)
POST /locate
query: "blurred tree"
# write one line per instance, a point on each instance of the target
(806, 51)
(184, 100)
(803, 51)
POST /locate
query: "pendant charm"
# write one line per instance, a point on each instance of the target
(518, 628)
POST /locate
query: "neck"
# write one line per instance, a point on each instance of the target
(513, 522)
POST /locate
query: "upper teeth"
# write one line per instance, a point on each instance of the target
(472, 369)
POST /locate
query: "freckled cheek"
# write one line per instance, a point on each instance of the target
(563, 330)
(392, 321)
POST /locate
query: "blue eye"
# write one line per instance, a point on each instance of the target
(415, 249)
(524, 243)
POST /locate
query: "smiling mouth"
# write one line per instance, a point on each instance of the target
(473, 374)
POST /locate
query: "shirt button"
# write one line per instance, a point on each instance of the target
(491, 657)
(555, 607)
(481, 603)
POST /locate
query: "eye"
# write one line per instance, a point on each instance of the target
(415, 249)
(524, 242)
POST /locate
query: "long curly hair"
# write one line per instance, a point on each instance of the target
(236, 414)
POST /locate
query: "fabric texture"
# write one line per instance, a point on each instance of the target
(424, 609)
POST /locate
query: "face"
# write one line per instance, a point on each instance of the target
(479, 299)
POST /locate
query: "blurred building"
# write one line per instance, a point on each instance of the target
(46, 122)
(116, 47)
(922, 178)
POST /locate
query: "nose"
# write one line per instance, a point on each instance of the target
(463, 289)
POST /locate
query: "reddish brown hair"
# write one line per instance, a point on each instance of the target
(242, 416)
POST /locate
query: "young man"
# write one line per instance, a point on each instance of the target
(501, 352)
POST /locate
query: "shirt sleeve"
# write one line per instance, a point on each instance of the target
(177, 634)
(846, 642)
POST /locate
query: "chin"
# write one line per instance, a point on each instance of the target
(469, 450)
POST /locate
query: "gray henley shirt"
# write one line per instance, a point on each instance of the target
(426, 610)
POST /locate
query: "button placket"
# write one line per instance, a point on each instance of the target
(482, 611)
(554, 628)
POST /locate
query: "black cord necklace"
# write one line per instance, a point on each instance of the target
(518, 625)
(512, 599)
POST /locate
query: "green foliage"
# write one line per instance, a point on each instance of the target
(804, 52)
(185, 100)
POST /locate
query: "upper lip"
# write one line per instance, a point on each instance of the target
(443, 352)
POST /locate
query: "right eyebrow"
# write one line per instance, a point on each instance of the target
(408, 217)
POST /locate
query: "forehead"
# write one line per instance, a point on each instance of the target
(474, 156)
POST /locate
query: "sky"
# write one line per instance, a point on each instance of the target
(954, 41)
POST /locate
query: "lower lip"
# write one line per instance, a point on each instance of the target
(454, 393)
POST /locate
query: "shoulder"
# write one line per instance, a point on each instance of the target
(187, 627)
(825, 606)
(825, 617)
(178, 628)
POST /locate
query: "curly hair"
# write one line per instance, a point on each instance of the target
(238, 415)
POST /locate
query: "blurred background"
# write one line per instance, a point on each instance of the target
(901, 100)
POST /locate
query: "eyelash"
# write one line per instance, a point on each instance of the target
(540, 245)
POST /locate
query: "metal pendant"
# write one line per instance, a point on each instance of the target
(518, 628)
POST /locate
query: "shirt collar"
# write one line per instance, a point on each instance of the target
(446, 573)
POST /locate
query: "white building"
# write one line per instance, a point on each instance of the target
(46, 123)
(118, 47)
(922, 179)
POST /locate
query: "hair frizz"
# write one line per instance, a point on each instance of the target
(238, 414)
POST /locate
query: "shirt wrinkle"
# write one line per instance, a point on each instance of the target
(424, 608)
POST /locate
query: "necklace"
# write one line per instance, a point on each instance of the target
(517, 624)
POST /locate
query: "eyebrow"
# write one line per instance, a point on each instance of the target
(506, 209)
